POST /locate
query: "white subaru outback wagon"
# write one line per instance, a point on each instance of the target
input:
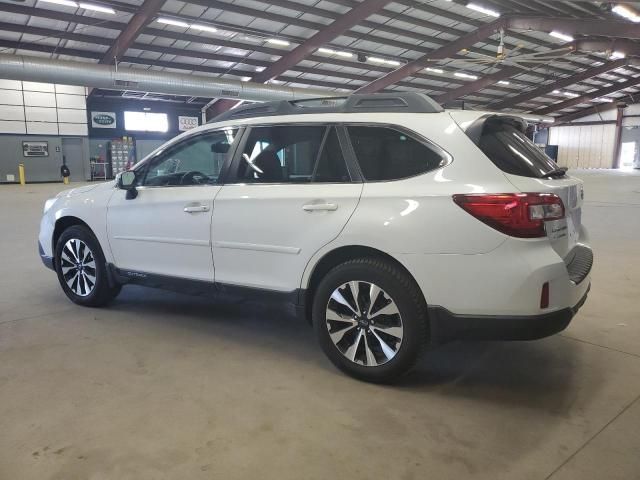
(389, 222)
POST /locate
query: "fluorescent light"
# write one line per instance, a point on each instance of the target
(67, 3)
(277, 41)
(557, 92)
(245, 79)
(466, 75)
(434, 70)
(481, 9)
(571, 94)
(626, 12)
(339, 53)
(504, 82)
(562, 36)
(259, 69)
(603, 99)
(97, 8)
(395, 63)
(548, 120)
(204, 28)
(175, 23)
(617, 55)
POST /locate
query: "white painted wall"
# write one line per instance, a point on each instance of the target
(584, 146)
(42, 109)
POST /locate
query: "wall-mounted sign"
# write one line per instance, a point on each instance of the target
(35, 149)
(187, 123)
(103, 119)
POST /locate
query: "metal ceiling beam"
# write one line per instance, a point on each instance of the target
(560, 83)
(452, 48)
(598, 109)
(484, 82)
(609, 45)
(342, 24)
(140, 19)
(572, 102)
(574, 26)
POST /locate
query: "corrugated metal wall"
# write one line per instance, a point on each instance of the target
(587, 146)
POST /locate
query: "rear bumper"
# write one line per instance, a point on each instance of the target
(447, 326)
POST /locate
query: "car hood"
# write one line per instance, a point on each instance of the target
(87, 188)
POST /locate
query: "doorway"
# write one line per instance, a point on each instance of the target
(73, 153)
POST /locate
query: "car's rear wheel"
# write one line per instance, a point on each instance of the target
(82, 269)
(370, 319)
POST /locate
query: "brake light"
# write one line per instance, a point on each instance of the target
(519, 215)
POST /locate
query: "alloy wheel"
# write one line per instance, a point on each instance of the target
(78, 266)
(364, 323)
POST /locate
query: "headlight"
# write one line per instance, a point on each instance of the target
(48, 204)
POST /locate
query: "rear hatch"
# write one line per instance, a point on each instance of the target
(501, 138)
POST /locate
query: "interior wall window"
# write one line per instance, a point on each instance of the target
(292, 154)
(384, 153)
(195, 161)
(146, 122)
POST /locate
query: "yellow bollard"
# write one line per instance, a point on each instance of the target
(65, 180)
(23, 180)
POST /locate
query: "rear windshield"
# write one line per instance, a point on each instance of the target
(512, 152)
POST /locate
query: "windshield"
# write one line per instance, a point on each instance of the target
(512, 152)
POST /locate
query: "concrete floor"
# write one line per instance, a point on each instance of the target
(163, 386)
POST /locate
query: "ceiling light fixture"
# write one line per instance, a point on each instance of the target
(466, 75)
(204, 28)
(617, 55)
(561, 36)
(339, 53)
(97, 8)
(277, 41)
(603, 99)
(504, 82)
(481, 9)
(434, 70)
(557, 92)
(571, 94)
(395, 63)
(175, 23)
(66, 3)
(626, 12)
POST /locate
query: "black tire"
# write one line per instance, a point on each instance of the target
(101, 292)
(397, 287)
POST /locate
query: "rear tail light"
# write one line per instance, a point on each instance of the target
(519, 215)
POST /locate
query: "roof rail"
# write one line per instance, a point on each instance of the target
(403, 102)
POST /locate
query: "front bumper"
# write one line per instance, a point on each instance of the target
(46, 259)
(446, 326)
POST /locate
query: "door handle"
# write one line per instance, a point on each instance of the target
(196, 208)
(315, 207)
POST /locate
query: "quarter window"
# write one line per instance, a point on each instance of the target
(384, 153)
(292, 154)
(196, 161)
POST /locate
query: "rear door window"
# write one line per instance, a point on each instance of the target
(512, 152)
(384, 153)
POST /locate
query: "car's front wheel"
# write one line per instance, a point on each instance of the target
(370, 319)
(82, 269)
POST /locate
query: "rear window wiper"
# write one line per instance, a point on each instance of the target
(556, 172)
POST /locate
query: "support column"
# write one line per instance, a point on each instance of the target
(617, 144)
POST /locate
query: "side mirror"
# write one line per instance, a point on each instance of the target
(127, 181)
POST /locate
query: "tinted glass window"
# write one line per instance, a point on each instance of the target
(512, 152)
(387, 154)
(196, 161)
(331, 167)
(291, 154)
